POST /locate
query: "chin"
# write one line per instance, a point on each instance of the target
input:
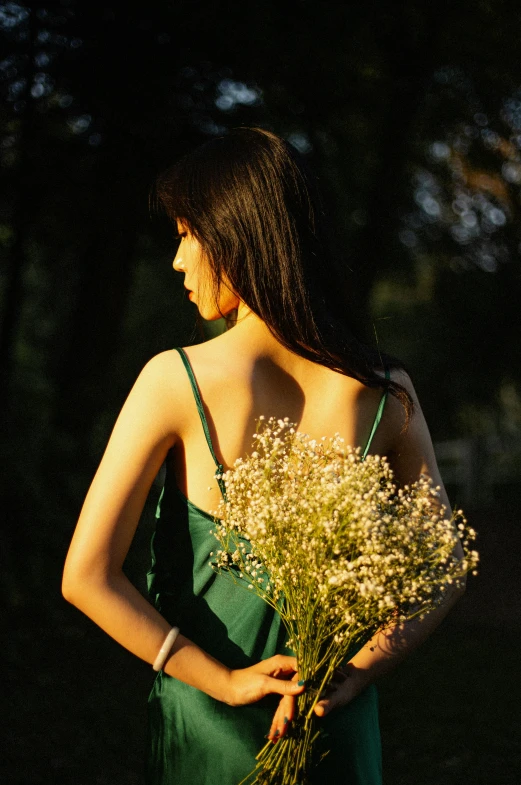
(210, 315)
(213, 313)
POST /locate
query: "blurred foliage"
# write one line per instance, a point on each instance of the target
(410, 114)
(413, 128)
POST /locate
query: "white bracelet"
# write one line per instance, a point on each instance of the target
(165, 649)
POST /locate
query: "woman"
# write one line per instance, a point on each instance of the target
(253, 249)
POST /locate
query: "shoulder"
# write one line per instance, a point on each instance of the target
(216, 361)
(412, 451)
(395, 409)
(401, 430)
(162, 374)
(400, 376)
(162, 391)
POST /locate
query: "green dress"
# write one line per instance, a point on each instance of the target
(193, 738)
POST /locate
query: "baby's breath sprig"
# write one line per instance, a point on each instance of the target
(330, 541)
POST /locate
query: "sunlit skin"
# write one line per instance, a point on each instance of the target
(198, 281)
(243, 373)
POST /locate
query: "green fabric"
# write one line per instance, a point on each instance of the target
(193, 738)
(378, 417)
(202, 415)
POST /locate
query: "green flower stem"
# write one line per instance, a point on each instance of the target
(339, 551)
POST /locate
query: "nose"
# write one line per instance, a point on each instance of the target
(178, 265)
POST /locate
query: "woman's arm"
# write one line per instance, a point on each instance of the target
(411, 455)
(93, 578)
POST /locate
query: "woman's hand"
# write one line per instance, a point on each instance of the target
(284, 714)
(346, 684)
(343, 687)
(248, 685)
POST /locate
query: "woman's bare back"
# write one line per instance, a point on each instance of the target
(246, 373)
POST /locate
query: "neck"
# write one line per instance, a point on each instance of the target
(252, 338)
(249, 327)
(243, 312)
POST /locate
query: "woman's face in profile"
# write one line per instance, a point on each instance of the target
(191, 261)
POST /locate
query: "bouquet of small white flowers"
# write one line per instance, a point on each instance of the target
(340, 551)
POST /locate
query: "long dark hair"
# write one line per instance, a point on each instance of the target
(251, 203)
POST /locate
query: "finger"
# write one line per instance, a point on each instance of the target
(323, 707)
(287, 662)
(334, 698)
(277, 729)
(334, 683)
(283, 666)
(282, 718)
(286, 712)
(279, 664)
(282, 687)
(289, 706)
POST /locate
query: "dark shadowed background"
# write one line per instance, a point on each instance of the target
(411, 115)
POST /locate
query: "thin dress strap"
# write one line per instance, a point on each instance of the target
(378, 417)
(200, 408)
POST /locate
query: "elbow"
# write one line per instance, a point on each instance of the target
(86, 583)
(69, 587)
(72, 577)
(78, 583)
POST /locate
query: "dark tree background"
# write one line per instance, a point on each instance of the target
(411, 115)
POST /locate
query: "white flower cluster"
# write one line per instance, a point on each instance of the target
(329, 539)
(339, 550)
